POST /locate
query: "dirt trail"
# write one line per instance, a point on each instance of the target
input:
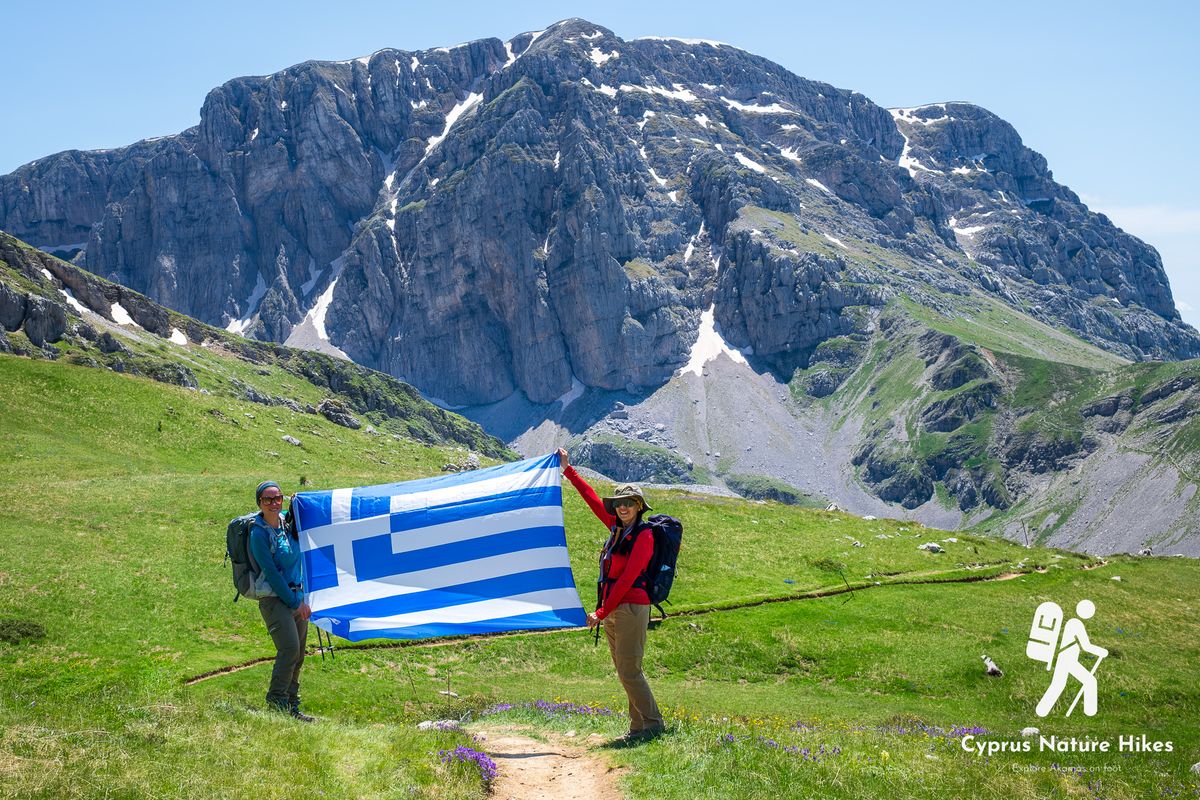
(558, 769)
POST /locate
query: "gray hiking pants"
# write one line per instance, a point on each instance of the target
(625, 629)
(290, 635)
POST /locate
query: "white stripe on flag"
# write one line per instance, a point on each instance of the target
(531, 479)
(339, 508)
(440, 577)
(433, 535)
(530, 603)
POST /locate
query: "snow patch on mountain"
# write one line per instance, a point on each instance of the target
(453, 117)
(121, 316)
(819, 185)
(709, 345)
(774, 108)
(239, 326)
(600, 58)
(749, 162)
(677, 92)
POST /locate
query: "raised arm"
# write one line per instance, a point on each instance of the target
(585, 491)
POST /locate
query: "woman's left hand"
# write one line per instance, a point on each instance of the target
(593, 620)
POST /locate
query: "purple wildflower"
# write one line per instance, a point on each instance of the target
(572, 708)
(464, 755)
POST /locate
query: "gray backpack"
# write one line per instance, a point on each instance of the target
(237, 550)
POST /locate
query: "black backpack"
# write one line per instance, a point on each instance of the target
(660, 572)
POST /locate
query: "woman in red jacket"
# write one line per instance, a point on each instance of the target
(624, 606)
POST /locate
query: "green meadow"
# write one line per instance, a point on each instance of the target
(807, 653)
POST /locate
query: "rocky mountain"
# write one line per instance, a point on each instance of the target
(536, 229)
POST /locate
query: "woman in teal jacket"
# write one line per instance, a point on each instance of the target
(275, 548)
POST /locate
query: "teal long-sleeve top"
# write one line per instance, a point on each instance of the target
(279, 561)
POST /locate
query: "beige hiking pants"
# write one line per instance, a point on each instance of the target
(625, 629)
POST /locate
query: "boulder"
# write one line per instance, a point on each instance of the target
(251, 393)
(824, 382)
(439, 725)
(1104, 407)
(12, 307)
(110, 344)
(173, 373)
(336, 412)
(45, 321)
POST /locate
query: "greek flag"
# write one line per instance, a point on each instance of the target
(473, 552)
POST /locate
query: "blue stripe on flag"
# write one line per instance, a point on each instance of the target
(363, 505)
(313, 509)
(557, 618)
(472, 592)
(320, 572)
(374, 557)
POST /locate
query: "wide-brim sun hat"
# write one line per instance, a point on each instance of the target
(622, 491)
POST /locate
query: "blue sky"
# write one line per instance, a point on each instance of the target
(1108, 92)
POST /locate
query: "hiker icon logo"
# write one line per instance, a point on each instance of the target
(1059, 646)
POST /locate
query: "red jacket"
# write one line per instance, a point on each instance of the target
(623, 570)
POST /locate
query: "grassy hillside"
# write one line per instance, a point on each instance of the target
(113, 593)
(156, 342)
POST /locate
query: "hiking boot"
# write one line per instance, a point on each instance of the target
(633, 738)
(624, 740)
(294, 710)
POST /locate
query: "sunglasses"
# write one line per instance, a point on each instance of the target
(631, 502)
(271, 498)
